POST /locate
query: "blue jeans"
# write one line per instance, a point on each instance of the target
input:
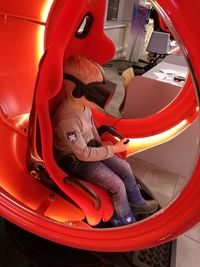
(115, 176)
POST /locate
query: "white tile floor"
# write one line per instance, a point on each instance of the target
(164, 185)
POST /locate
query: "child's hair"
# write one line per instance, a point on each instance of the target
(81, 67)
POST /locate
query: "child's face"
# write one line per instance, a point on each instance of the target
(88, 103)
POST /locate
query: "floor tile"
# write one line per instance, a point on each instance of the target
(194, 233)
(160, 197)
(187, 252)
(150, 174)
(160, 180)
(113, 107)
(181, 183)
(138, 166)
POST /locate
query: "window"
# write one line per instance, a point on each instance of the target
(113, 6)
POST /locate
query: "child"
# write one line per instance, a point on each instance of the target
(77, 145)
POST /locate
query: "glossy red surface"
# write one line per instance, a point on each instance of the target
(20, 197)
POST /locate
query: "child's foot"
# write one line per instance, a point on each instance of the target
(116, 221)
(149, 207)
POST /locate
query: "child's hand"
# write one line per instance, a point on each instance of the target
(107, 143)
(121, 146)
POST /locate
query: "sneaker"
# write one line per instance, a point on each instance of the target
(149, 207)
(116, 221)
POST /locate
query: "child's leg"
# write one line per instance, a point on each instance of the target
(99, 174)
(122, 169)
(138, 203)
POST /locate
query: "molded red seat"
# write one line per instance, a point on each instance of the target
(63, 43)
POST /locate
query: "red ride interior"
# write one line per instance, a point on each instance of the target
(26, 202)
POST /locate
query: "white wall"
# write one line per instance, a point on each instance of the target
(178, 155)
(118, 33)
(125, 10)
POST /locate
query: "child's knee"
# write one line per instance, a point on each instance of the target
(118, 187)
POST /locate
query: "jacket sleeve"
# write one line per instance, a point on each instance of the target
(70, 132)
(94, 130)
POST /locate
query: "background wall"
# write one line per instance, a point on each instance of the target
(178, 155)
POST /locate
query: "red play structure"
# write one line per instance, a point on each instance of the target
(30, 90)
